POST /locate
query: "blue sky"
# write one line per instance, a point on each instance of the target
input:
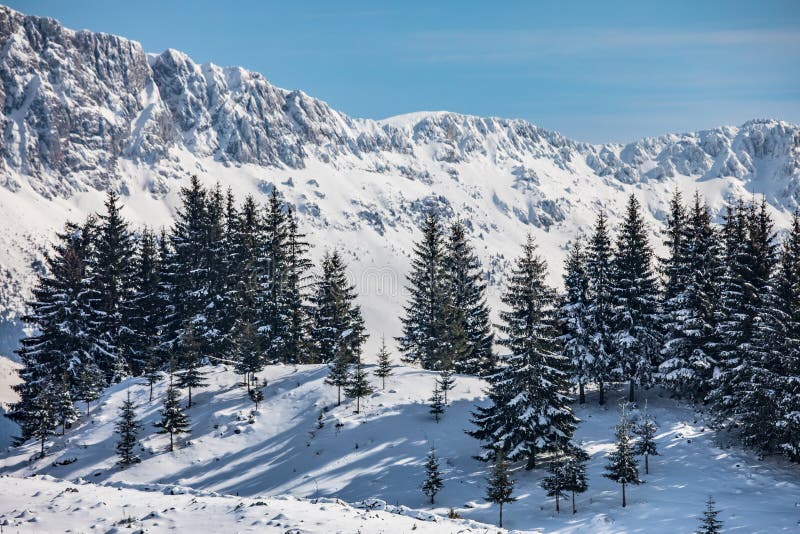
(596, 71)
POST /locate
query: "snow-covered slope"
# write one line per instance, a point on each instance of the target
(380, 454)
(46, 504)
(85, 112)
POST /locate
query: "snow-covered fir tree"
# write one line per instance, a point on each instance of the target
(688, 321)
(599, 270)
(446, 382)
(576, 326)
(425, 322)
(433, 477)
(500, 486)
(339, 372)
(256, 395)
(90, 384)
(469, 313)
(146, 306)
(554, 484)
(710, 524)
(173, 419)
(622, 466)
(437, 404)
(384, 368)
(575, 480)
(247, 350)
(635, 299)
(190, 361)
(127, 428)
(112, 280)
(358, 385)
(529, 412)
(338, 326)
(297, 345)
(272, 270)
(41, 418)
(645, 430)
(64, 409)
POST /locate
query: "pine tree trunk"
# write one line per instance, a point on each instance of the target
(574, 510)
(338, 395)
(190, 397)
(581, 394)
(432, 496)
(171, 443)
(358, 404)
(501, 516)
(646, 465)
(558, 506)
(531, 462)
(43, 438)
(630, 392)
(624, 503)
(151, 392)
(602, 393)
(383, 382)
(87, 408)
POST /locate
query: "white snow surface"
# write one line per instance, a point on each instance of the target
(378, 454)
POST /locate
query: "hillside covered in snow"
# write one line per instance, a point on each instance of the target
(87, 112)
(301, 444)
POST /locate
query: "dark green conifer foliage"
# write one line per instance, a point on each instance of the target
(127, 428)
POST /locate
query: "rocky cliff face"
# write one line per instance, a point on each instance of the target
(83, 112)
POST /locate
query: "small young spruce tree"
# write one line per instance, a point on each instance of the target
(555, 482)
(710, 524)
(433, 477)
(358, 386)
(127, 428)
(173, 418)
(500, 485)
(446, 382)
(622, 466)
(575, 480)
(437, 402)
(338, 374)
(384, 364)
(645, 446)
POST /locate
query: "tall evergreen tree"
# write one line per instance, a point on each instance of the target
(688, 315)
(710, 524)
(786, 303)
(500, 486)
(273, 277)
(635, 300)
(338, 324)
(173, 419)
(425, 324)
(622, 466)
(530, 412)
(433, 477)
(358, 386)
(146, 306)
(295, 294)
(112, 277)
(384, 368)
(127, 428)
(599, 269)
(468, 319)
(576, 326)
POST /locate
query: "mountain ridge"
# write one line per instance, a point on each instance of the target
(86, 112)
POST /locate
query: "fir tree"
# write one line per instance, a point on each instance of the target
(645, 446)
(256, 395)
(61, 400)
(555, 482)
(622, 467)
(89, 385)
(384, 368)
(470, 332)
(433, 477)
(574, 317)
(688, 315)
(358, 386)
(710, 524)
(273, 275)
(173, 418)
(152, 371)
(500, 486)
(635, 301)
(112, 276)
(599, 269)
(338, 324)
(339, 373)
(530, 412)
(147, 305)
(295, 294)
(446, 382)
(41, 418)
(786, 303)
(247, 349)
(128, 428)
(437, 404)
(190, 375)
(425, 324)
(575, 480)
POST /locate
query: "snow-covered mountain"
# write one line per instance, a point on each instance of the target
(86, 112)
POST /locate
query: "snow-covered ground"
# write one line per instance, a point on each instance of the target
(380, 453)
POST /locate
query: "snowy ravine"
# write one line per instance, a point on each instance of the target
(379, 454)
(87, 112)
